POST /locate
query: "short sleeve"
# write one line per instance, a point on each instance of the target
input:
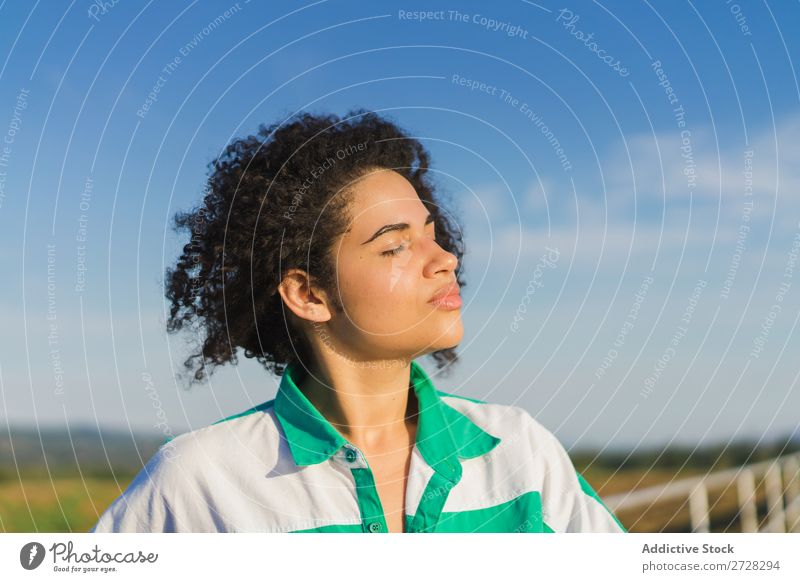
(142, 507)
(568, 501)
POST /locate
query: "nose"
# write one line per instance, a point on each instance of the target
(440, 260)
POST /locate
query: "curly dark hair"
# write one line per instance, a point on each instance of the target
(262, 215)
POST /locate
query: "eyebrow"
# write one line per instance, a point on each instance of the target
(399, 226)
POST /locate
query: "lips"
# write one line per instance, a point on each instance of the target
(447, 297)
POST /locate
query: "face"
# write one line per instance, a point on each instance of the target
(389, 268)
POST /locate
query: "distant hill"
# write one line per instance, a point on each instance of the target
(708, 457)
(62, 452)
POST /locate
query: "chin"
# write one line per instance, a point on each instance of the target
(449, 337)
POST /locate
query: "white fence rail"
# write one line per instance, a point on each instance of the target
(781, 482)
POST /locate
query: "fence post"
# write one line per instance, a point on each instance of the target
(776, 517)
(748, 512)
(698, 509)
(791, 476)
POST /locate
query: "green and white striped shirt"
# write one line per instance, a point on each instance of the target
(282, 467)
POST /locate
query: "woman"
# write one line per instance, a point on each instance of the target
(321, 250)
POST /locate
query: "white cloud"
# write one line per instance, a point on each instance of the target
(589, 221)
(658, 171)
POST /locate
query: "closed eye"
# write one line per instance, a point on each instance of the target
(393, 252)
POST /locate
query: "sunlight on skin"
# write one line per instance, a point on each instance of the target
(386, 278)
(385, 284)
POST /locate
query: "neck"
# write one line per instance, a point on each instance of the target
(371, 403)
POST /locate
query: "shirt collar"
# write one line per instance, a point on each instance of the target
(443, 433)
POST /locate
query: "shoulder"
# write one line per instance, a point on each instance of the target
(218, 440)
(511, 423)
(168, 493)
(530, 457)
(530, 452)
(241, 420)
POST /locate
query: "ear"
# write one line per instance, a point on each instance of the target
(302, 298)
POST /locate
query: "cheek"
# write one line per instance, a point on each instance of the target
(385, 289)
(398, 276)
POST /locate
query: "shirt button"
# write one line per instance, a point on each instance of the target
(350, 455)
(374, 527)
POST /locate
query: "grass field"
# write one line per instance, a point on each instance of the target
(61, 505)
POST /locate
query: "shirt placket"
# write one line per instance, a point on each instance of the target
(446, 475)
(369, 503)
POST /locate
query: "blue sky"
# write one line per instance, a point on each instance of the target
(652, 146)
